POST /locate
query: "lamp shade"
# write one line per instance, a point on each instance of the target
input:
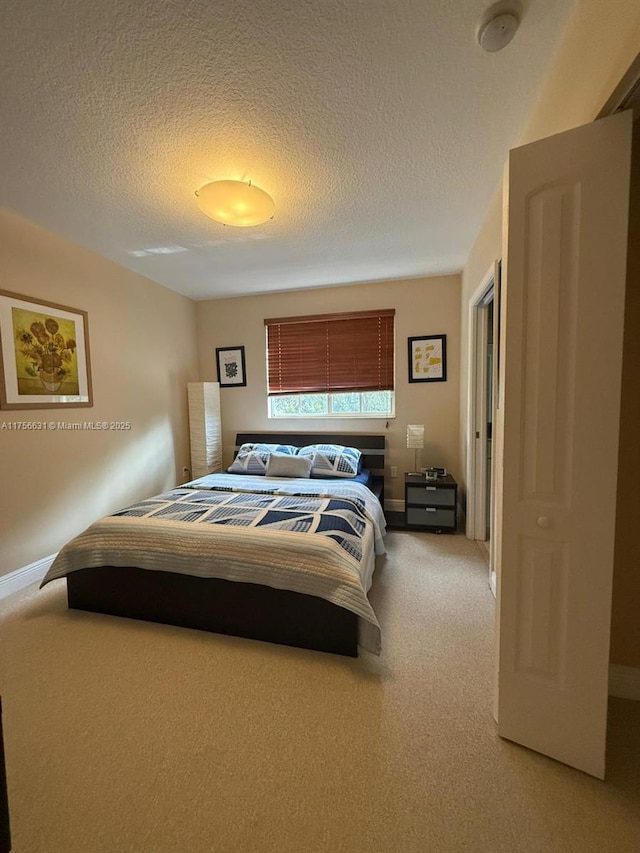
(415, 436)
(415, 440)
(205, 429)
(236, 203)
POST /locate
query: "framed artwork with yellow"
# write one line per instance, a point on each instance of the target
(44, 354)
(428, 358)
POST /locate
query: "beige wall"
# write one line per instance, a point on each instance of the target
(423, 306)
(625, 634)
(143, 352)
(601, 41)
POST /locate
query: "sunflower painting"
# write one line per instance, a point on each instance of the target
(44, 354)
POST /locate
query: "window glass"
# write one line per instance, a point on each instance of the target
(368, 404)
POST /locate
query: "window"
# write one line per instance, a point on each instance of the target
(331, 365)
(369, 404)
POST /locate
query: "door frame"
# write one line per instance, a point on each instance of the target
(476, 427)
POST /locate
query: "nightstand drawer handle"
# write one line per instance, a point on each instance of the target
(431, 509)
(431, 488)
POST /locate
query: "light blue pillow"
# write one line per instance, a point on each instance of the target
(253, 458)
(284, 465)
(332, 460)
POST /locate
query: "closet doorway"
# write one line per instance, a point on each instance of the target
(484, 334)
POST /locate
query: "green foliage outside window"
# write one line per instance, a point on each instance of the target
(352, 404)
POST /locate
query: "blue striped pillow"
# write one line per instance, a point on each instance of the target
(253, 458)
(332, 460)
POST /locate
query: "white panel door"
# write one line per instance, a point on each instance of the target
(563, 307)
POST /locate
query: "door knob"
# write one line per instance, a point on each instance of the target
(544, 522)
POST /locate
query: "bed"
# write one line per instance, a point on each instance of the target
(224, 553)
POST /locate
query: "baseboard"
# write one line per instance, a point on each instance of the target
(33, 573)
(394, 505)
(624, 682)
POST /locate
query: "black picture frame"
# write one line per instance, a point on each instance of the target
(232, 372)
(427, 356)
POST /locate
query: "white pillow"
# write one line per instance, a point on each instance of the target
(283, 465)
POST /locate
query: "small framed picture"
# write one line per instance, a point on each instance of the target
(231, 368)
(428, 358)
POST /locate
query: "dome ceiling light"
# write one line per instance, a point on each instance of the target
(498, 31)
(237, 203)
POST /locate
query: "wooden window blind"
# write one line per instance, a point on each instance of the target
(326, 353)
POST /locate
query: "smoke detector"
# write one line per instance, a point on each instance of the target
(498, 31)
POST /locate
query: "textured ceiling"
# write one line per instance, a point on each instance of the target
(379, 127)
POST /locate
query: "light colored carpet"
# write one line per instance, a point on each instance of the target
(128, 736)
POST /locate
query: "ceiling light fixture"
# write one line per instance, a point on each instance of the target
(496, 32)
(236, 203)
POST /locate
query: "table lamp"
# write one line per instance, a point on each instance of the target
(415, 440)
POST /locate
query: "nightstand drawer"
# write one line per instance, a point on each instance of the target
(430, 517)
(431, 495)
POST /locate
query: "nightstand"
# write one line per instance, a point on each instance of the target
(430, 504)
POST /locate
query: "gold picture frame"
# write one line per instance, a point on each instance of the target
(44, 354)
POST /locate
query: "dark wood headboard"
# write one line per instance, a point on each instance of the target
(371, 446)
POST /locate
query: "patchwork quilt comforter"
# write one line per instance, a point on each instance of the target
(308, 536)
